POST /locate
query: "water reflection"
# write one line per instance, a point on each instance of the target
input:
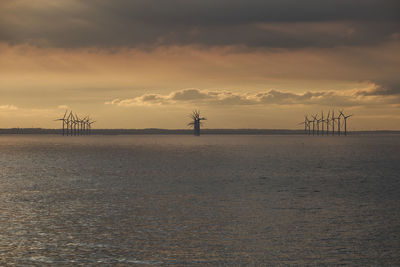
(181, 200)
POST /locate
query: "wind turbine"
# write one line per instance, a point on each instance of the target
(333, 122)
(306, 124)
(322, 122)
(345, 121)
(63, 122)
(75, 122)
(87, 125)
(327, 122)
(318, 121)
(80, 132)
(313, 123)
(90, 126)
(83, 125)
(196, 123)
(69, 123)
(80, 126)
(338, 118)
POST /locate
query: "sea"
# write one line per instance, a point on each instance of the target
(213, 200)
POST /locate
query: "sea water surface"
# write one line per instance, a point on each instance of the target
(210, 200)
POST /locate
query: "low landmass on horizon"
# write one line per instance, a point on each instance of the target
(183, 131)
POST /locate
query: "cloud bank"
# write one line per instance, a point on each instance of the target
(373, 95)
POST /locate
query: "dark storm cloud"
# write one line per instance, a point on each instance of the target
(383, 88)
(211, 12)
(274, 23)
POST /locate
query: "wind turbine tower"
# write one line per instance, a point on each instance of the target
(327, 122)
(306, 125)
(90, 126)
(196, 123)
(333, 122)
(322, 122)
(69, 123)
(345, 121)
(64, 121)
(338, 124)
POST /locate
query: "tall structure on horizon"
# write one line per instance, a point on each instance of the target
(73, 125)
(340, 121)
(196, 123)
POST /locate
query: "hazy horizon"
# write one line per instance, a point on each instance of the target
(205, 129)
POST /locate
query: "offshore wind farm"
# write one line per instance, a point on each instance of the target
(314, 125)
(73, 125)
(199, 133)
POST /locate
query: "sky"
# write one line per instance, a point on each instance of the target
(242, 63)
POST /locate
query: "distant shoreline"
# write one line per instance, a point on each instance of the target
(154, 131)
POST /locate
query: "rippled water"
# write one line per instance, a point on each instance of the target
(213, 200)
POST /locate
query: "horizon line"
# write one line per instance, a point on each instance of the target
(27, 130)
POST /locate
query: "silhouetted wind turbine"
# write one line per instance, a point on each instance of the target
(338, 118)
(63, 122)
(322, 122)
(196, 123)
(80, 126)
(83, 125)
(90, 126)
(74, 121)
(69, 123)
(318, 121)
(80, 132)
(87, 125)
(327, 122)
(313, 123)
(345, 121)
(333, 122)
(306, 124)
(77, 122)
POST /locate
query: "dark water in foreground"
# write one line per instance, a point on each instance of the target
(213, 200)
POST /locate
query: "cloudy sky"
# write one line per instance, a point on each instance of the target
(243, 63)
